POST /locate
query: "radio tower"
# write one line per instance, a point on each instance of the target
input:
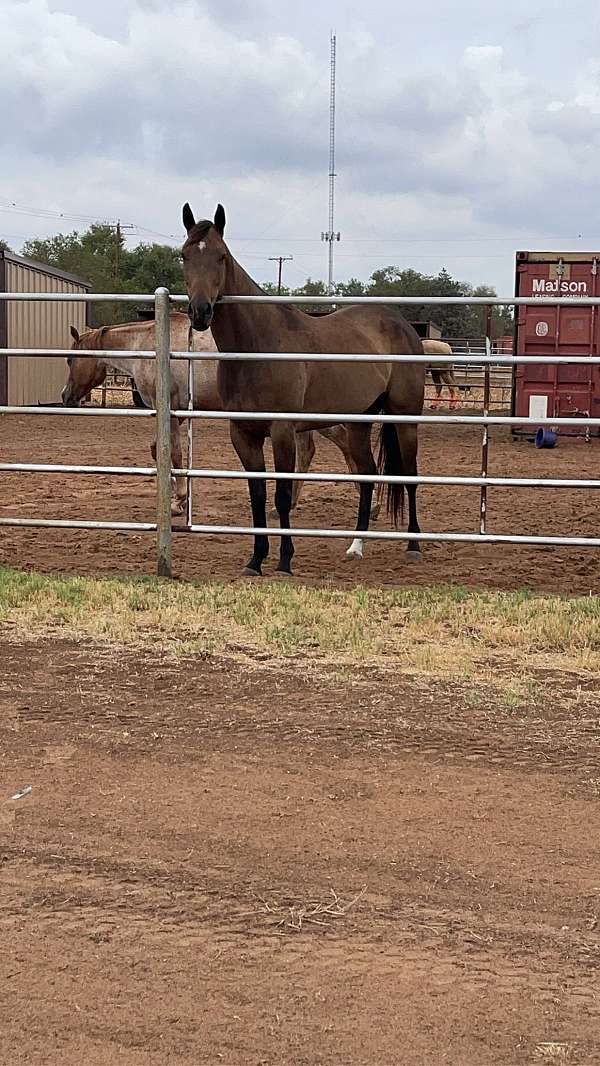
(330, 236)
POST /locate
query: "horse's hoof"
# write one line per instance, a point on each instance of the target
(282, 574)
(375, 512)
(249, 572)
(414, 556)
(355, 551)
(273, 513)
(177, 508)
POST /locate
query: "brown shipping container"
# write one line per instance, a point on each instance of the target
(540, 390)
(29, 381)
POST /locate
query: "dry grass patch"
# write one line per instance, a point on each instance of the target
(294, 915)
(445, 630)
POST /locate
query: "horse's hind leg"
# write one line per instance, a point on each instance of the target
(448, 377)
(250, 449)
(284, 455)
(359, 440)
(408, 442)
(437, 381)
(338, 435)
(305, 453)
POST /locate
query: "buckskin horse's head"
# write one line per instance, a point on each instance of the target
(204, 265)
(85, 372)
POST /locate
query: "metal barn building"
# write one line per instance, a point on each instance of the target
(29, 381)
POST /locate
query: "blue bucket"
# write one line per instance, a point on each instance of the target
(545, 438)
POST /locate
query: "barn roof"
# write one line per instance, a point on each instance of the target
(43, 268)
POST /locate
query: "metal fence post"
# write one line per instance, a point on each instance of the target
(483, 497)
(162, 337)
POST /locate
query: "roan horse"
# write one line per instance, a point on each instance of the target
(300, 385)
(86, 373)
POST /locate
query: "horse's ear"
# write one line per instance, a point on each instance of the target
(219, 220)
(75, 334)
(188, 218)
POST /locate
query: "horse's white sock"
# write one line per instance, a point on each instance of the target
(355, 551)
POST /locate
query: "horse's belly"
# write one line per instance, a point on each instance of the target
(348, 388)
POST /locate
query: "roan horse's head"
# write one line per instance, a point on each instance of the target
(204, 265)
(85, 373)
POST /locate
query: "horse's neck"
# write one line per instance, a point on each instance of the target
(242, 327)
(115, 338)
(125, 364)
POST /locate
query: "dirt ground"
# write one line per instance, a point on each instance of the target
(270, 865)
(110, 441)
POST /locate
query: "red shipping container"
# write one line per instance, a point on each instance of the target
(539, 390)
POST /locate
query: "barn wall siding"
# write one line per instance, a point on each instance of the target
(31, 381)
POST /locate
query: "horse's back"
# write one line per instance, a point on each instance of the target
(372, 328)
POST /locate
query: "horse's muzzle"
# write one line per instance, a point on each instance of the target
(68, 398)
(200, 314)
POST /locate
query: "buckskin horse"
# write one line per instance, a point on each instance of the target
(299, 385)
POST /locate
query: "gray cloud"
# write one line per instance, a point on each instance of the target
(448, 127)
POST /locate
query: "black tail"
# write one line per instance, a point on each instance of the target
(389, 461)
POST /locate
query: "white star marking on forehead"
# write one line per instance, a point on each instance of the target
(201, 246)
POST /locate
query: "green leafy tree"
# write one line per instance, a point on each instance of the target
(271, 289)
(311, 288)
(4, 247)
(454, 320)
(352, 287)
(99, 255)
(147, 266)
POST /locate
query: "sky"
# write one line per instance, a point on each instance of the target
(464, 130)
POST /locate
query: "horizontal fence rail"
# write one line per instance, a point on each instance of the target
(333, 418)
(391, 479)
(482, 359)
(80, 523)
(384, 534)
(273, 475)
(66, 468)
(310, 357)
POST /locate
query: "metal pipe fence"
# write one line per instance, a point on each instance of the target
(163, 525)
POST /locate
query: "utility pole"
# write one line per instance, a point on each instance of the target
(281, 259)
(330, 236)
(118, 238)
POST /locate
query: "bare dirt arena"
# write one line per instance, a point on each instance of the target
(105, 441)
(279, 863)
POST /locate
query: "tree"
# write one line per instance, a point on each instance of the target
(147, 266)
(311, 288)
(454, 320)
(352, 287)
(99, 256)
(4, 247)
(272, 290)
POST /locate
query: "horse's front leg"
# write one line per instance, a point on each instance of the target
(284, 455)
(305, 452)
(250, 449)
(174, 511)
(178, 504)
